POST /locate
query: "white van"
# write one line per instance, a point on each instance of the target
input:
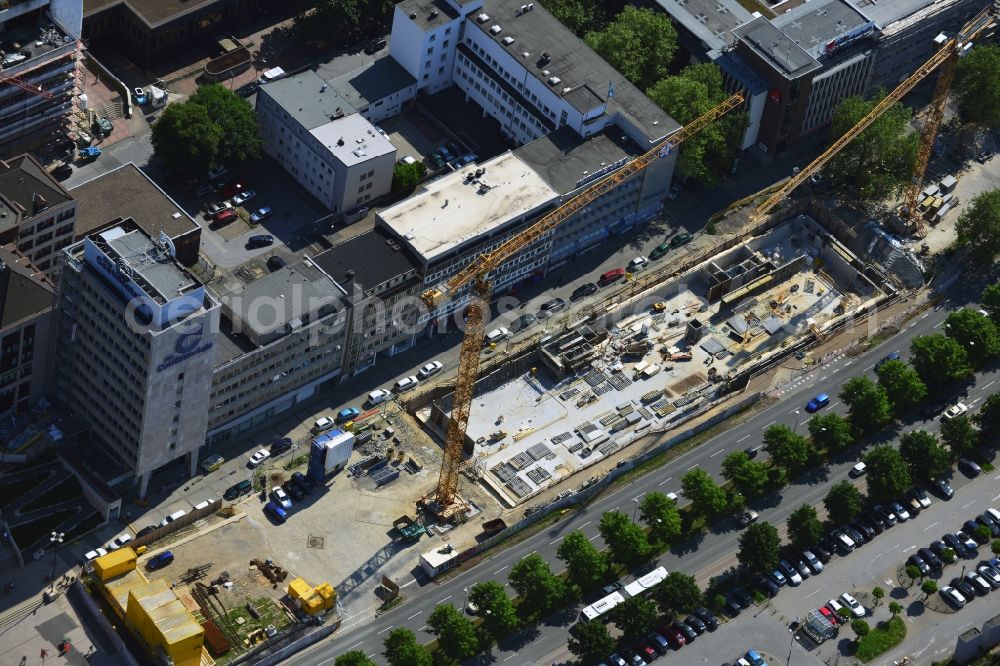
(378, 396)
(406, 383)
(637, 264)
(323, 423)
(172, 517)
(497, 335)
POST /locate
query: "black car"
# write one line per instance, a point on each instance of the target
(876, 520)
(962, 586)
(275, 263)
(281, 445)
(955, 544)
(829, 544)
(304, 482)
(822, 554)
(861, 526)
(706, 616)
(943, 488)
(688, 632)
(63, 171)
(695, 623)
(919, 563)
(583, 291)
(931, 409)
(552, 306)
(732, 606)
(971, 528)
(987, 520)
(888, 517)
(741, 596)
(969, 467)
(932, 560)
(148, 529)
(682, 238)
(293, 490)
(260, 240)
(766, 586)
(526, 321)
(858, 538)
(751, 451)
(375, 46)
(938, 548)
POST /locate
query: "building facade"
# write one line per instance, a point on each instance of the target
(314, 133)
(135, 337)
(36, 213)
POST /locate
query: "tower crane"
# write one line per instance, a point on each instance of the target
(477, 273)
(15, 80)
(947, 55)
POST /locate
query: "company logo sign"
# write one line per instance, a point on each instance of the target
(187, 345)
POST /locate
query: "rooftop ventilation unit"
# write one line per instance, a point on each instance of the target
(525, 54)
(554, 80)
(508, 40)
(566, 90)
(434, 13)
(545, 72)
(522, 9)
(483, 18)
(413, 16)
(496, 30)
(545, 57)
(531, 6)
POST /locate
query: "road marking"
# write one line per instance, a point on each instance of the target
(995, 498)
(937, 324)
(892, 548)
(990, 384)
(869, 367)
(877, 556)
(614, 509)
(835, 371)
(414, 615)
(890, 582)
(966, 506)
(717, 453)
(808, 420)
(385, 630)
(500, 569)
(834, 404)
(691, 467)
(847, 363)
(742, 438)
(557, 540)
(636, 498)
(770, 424)
(925, 315)
(529, 554)
(909, 548)
(593, 537)
(510, 657)
(930, 526)
(815, 592)
(372, 655)
(355, 645)
(590, 521)
(424, 628)
(444, 600)
(792, 412)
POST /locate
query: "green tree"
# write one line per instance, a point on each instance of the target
(923, 455)
(636, 617)
(586, 566)
(758, 551)
(235, 118)
(995, 546)
(843, 503)
(878, 593)
(402, 649)
(959, 435)
(895, 608)
(788, 449)
(804, 528)
(580, 16)
(707, 497)
(878, 162)
(677, 594)
(978, 226)
(928, 587)
(591, 642)
(978, 99)
(976, 333)
(902, 385)
(353, 658)
(913, 572)
(982, 533)
(888, 477)
(860, 627)
(939, 360)
(186, 140)
(748, 477)
(455, 633)
(661, 516)
(540, 589)
(831, 432)
(990, 300)
(948, 555)
(639, 43)
(406, 177)
(687, 96)
(627, 542)
(868, 405)
(329, 21)
(844, 614)
(988, 418)
(495, 609)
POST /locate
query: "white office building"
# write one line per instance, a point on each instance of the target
(314, 133)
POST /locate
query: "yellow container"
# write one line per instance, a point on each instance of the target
(114, 563)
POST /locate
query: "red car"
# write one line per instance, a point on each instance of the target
(225, 216)
(232, 189)
(828, 614)
(647, 652)
(674, 637)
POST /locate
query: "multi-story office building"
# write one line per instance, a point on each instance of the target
(136, 344)
(36, 98)
(282, 341)
(26, 296)
(313, 132)
(36, 213)
(381, 280)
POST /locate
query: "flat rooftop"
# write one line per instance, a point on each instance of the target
(151, 12)
(573, 62)
(162, 277)
(307, 98)
(451, 211)
(814, 24)
(886, 12)
(428, 13)
(564, 158)
(353, 140)
(711, 21)
(367, 260)
(774, 46)
(25, 184)
(377, 81)
(35, 39)
(127, 192)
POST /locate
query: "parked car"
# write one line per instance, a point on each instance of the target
(148, 529)
(583, 291)
(674, 637)
(932, 560)
(405, 384)
(828, 614)
(976, 581)
(688, 632)
(496, 335)
(279, 446)
(857, 537)
(989, 574)
(778, 577)
(216, 208)
(986, 521)
(944, 489)
(119, 541)
(242, 197)
(94, 554)
(901, 513)
(348, 414)
(431, 368)
(275, 263)
(755, 659)
(293, 489)
(857, 610)
(682, 238)
(159, 560)
(873, 521)
(260, 240)
(818, 403)
(260, 215)
(660, 250)
(551, 306)
(956, 544)
(234, 491)
(276, 512)
(963, 587)
(918, 562)
(659, 642)
(858, 470)
(526, 320)
(204, 504)
(279, 495)
(969, 467)
(742, 597)
(766, 586)
(971, 527)
(225, 217)
(952, 597)
(747, 517)
(257, 458)
(212, 463)
(375, 45)
(377, 397)
(706, 616)
(822, 553)
(921, 496)
(637, 264)
(615, 274)
(231, 189)
(172, 517)
(866, 530)
(304, 482)
(791, 572)
(834, 607)
(892, 356)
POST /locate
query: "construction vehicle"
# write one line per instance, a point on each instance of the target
(948, 54)
(443, 501)
(90, 154)
(409, 530)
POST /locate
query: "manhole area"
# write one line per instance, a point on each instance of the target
(314, 541)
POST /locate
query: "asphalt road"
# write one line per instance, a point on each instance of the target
(365, 633)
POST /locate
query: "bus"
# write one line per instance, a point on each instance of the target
(601, 607)
(639, 587)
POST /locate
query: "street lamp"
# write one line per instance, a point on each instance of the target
(55, 538)
(636, 501)
(797, 414)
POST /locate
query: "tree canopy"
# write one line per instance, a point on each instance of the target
(707, 497)
(186, 140)
(495, 609)
(749, 478)
(580, 16)
(331, 22)
(759, 545)
(888, 476)
(923, 455)
(235, 118)
(988, 418)
(804, 528)
(977, 85)
(400, 648)
(406, 177)
(939, 360)
(831, 432)
(843, 503)
(353, 658)
(627, 542)
(677, 594)
(868, 405)
(788, 449)
(636, 617)
(540, 589)
(978, 226)
(661, 516)
(586, 566)
(959, 435)
(990, 300)
(591, 642)
(639, 43)
(455, 633)
(977, 335)
(880, 160)
(902, 385)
